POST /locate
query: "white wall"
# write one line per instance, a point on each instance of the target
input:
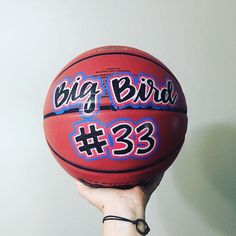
(195, 39)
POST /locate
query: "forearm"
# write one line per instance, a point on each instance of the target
(119, 228)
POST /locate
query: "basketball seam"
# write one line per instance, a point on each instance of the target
(108, 108)
(115, 171)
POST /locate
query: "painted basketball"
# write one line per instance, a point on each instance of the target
(115, 116)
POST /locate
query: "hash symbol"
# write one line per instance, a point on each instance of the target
(90, 141)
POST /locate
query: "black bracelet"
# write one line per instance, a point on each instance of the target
(137, 222)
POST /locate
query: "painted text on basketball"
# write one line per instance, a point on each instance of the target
(140, 91)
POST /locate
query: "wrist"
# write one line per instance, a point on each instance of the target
(128, 209)
(117, 227)
(126, 206)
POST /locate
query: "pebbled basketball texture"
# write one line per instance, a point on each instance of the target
(115, 116)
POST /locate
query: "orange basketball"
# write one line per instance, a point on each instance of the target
(115, 116)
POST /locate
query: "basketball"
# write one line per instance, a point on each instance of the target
(115, 116)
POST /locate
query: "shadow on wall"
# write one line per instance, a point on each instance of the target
(206, 176)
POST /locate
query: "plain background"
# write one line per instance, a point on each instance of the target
(195, 39)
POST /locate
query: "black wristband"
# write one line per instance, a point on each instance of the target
(137, 222)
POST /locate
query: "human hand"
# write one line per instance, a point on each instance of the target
(128, 203)
(105, 199)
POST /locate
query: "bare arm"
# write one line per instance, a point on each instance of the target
(129, 203)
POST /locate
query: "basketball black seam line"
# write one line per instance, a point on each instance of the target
(108, 108)
(120, 53)
(115, 171)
